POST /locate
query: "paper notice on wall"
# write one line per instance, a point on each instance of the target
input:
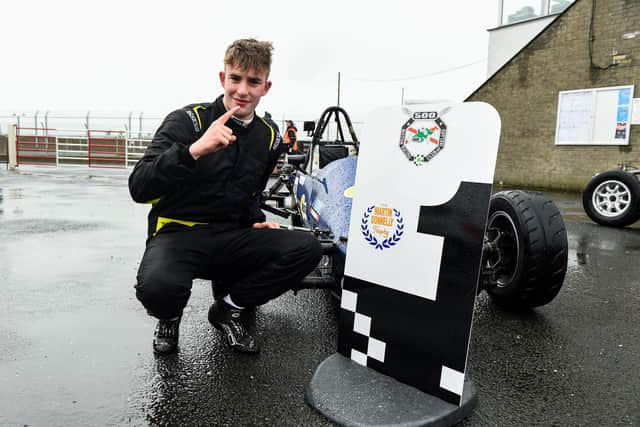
(575, 117)
(635, 111)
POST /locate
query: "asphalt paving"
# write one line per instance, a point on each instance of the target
(76, 344)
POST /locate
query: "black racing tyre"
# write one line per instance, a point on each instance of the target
(528, 259)
(612, 198)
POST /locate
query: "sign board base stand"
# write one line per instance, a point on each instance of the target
(351, 394)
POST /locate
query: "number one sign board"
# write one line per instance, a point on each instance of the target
(419, 212)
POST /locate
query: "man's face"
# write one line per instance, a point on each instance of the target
(243, 88)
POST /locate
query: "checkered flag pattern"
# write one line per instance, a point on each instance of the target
(362, 325)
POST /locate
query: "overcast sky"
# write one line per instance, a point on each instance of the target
(156, 56)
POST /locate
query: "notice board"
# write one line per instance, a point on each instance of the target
(599, 116)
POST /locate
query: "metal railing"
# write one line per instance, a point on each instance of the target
(86, 140)
(135, 126)
(92, 148)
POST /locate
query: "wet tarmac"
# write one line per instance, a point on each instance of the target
(76, 344)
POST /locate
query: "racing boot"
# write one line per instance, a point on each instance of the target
(227, 319)
(165, 337)
(220, 289)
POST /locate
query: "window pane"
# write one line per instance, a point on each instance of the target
(558, 6)
(520, 10)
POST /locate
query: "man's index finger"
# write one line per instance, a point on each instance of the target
(226, 116)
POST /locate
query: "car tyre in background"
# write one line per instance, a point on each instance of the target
(529, 256)
(612, 198)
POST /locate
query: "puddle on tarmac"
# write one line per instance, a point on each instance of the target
(12, 193)
(37, 226)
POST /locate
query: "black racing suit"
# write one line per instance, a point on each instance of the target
(203, 210)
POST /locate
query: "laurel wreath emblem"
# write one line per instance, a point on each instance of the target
(372, 239)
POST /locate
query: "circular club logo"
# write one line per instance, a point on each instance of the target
(422, 137)
(382, 227)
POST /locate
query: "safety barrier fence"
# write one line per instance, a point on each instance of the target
(96, 148)
(92, 148)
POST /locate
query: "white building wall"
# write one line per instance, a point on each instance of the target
(506, 41)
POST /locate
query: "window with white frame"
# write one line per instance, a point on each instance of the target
(512, 11)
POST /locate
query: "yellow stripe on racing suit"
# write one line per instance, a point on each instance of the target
(162, 221)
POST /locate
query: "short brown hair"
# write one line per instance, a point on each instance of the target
(249, 54)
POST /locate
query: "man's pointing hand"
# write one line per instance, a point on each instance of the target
(217, 137)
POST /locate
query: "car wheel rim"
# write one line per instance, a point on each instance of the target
(611, 198)
(504, 258)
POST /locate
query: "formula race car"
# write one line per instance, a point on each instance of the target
(612, 198)
(524, 254)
